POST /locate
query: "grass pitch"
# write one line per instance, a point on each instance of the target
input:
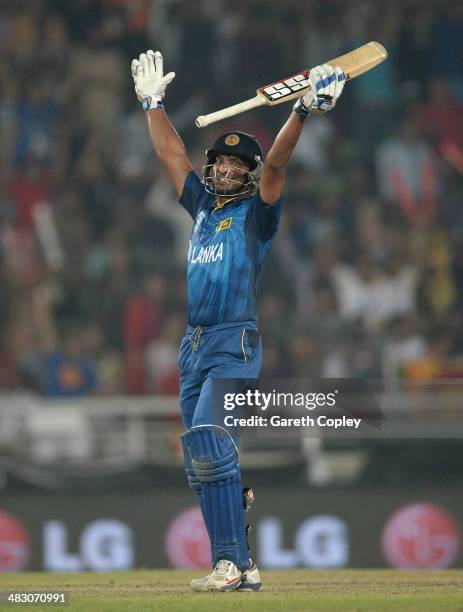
(311, 590)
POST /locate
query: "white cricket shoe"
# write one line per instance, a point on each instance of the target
(200, 584)
(250, 581)
(226, 576)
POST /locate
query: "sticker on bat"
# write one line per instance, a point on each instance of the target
(286, 87)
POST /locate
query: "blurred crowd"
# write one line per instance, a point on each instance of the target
(364, 277)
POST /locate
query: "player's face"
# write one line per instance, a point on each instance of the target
(229, 174)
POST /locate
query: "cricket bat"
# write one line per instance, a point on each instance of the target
(353, 64)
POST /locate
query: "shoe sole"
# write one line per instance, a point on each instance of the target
(250, 588)
(199, 589)
(255, 588)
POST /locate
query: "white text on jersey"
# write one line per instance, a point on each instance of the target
(211, 253)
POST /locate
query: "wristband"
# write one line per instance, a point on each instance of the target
(149, 103)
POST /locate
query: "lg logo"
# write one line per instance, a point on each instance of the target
(421, 536)
(14, 544)
(320, 541)
(104, 545)
(187, 542)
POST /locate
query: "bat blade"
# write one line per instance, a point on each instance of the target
(360, 60)
(353, 64)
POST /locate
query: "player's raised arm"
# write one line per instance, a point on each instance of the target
(150, 87)
(327, 84)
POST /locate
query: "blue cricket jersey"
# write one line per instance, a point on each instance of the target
(227, 248)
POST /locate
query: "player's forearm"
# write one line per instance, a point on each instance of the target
(286, 140)
(166, 141)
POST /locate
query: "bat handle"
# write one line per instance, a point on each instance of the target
(204, 120)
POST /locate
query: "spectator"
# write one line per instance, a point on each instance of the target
(142, 322)
(403, 346)
(67, 368)
(161, 358)
(407, 172)
(442, 121)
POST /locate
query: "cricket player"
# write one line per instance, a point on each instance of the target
(235, 207)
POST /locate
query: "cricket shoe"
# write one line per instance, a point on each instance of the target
(250, 580)
(200, 584)
(226, 576)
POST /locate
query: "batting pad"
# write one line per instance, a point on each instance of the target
(195, 483)
(193, 480)
(215, 464)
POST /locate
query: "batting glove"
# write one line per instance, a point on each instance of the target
(326, 85)
(149, 79)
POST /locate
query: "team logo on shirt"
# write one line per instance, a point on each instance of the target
(223, 225)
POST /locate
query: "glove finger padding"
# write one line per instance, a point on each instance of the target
(150, 58)
(159, 64)
(340, 82)
(170, 76)
(330, 81)
(144, 62)
(317, 76)
(134, 67)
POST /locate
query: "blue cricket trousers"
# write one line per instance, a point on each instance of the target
(229, 350)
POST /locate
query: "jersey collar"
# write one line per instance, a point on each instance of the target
(226, 200)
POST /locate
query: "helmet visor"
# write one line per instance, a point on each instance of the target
(225, 179)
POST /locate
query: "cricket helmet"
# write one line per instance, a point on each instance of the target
(238, 144)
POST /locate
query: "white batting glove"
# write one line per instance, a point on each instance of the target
(326, 85)
(149, 79)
